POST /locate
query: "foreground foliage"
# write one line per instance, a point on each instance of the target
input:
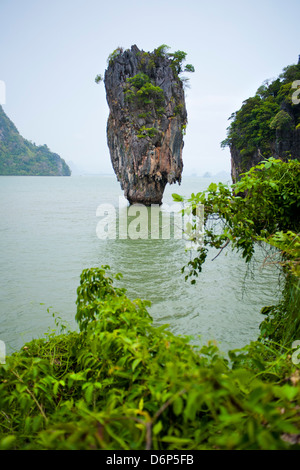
(121, 383)
(262, 208)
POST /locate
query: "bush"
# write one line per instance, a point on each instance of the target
(282, 121)
(141, 92)
(121, 383)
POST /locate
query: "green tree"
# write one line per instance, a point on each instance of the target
(262, 208)
(282, 121)
(99, 78)
(253, 126)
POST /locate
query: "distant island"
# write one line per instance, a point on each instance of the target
(19, 156)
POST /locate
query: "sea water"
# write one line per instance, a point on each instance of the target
(48, 235)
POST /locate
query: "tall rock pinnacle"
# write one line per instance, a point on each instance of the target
(146, 122)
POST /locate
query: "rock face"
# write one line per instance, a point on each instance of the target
(146, 123)
(285, 145)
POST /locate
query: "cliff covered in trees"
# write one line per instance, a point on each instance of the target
(268, 124)
(19, 156)
(147, 120)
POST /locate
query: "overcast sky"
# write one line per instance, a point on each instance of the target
(51, 51)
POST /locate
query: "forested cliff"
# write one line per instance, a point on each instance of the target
(19, 156)
(267, 124)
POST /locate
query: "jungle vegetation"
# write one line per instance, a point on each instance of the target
(19, 156)
(273, 109)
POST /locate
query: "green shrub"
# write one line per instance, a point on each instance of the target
(142, 93)
(282, 121)
(147, 132)
(114, 55)
(121, 383)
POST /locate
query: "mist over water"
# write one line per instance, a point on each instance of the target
(48, 236)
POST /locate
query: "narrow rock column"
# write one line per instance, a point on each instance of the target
(146, 123)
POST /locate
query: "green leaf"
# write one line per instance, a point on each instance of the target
(141, 404)
(157, 428)
(288, 392)
(89, 393)
(178, 406)
(177, 197)
(135, 363)
(176, 440)
(191, 407)
(7, 442)
(212, 187)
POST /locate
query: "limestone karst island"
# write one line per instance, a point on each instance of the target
(147, 120)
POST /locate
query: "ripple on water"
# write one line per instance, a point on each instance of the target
(48, 235)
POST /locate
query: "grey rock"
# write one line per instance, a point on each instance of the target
(145, 161)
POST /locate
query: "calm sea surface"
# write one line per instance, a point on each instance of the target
(48, 236)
